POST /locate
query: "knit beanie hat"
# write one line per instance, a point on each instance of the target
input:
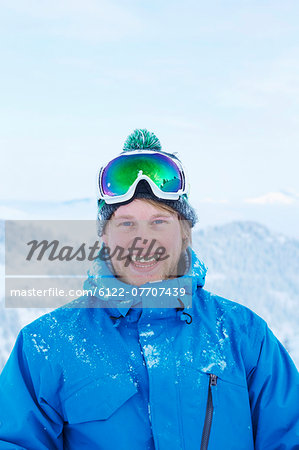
(142, 139)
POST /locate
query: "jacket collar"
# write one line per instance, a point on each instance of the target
(101, 277)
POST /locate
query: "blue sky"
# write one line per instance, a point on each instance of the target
(216, 81)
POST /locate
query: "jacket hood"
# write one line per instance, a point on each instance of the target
(103, 282)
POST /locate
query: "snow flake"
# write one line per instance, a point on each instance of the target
(152, 355)
(147, 333)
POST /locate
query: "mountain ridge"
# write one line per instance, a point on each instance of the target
(246, 262)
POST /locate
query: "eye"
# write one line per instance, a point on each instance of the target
(126, 224)
(159, 221)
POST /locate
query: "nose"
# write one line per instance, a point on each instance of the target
(144, 241)
(144, 235)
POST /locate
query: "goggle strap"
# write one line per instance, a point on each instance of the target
(101, 204)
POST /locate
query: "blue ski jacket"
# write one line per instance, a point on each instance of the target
(112, 373)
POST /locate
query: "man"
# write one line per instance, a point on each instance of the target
(153, 361)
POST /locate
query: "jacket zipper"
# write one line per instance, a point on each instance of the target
(209, 414)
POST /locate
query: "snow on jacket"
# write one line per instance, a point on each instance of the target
(120, 377)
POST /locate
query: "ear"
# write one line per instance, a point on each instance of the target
(184, 244)
(104, 238)
(103, 234)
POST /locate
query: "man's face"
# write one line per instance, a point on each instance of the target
(156, 228)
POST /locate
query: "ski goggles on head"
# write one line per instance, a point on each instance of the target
(164, 173)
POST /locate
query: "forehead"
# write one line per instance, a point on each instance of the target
(142, 209)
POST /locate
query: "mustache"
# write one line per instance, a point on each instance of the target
(135, 253)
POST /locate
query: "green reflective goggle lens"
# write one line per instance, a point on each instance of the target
(120, 173)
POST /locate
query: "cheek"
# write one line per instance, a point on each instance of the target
(173, 245)
(174, 238)
(113, 240)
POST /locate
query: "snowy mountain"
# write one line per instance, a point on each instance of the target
(249, 264)
(246, 263)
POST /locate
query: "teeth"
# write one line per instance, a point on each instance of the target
(143, 260)
(142, 265)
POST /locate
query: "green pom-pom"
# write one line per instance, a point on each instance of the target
(142, 140)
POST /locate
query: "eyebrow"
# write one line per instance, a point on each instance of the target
(152, 217)
(124, 217)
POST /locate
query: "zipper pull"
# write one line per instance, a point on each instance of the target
(213, 379)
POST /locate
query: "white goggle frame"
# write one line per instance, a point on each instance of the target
(156, 191)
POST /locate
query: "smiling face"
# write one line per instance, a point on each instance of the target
(155, 227)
